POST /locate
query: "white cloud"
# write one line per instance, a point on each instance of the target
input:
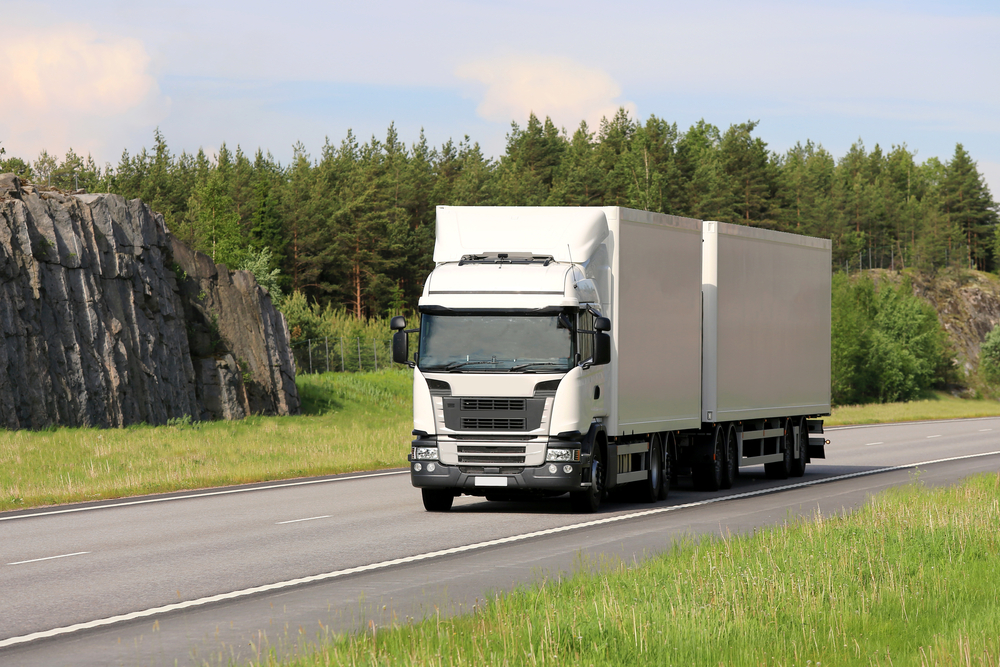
(69, 86)
(559, 88)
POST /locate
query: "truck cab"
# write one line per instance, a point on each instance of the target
(509, 370)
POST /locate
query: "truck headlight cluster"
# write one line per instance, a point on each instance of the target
(563, 455)
(425, 453)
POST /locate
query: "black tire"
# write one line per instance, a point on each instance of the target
(668, 475)
(799, 464)
(731, 465)
(437, 500)
(708, 474)
(588, 500)
(782, 469)
(650, 490)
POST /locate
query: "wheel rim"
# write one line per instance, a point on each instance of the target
(596, 475)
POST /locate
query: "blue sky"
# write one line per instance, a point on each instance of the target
(100, 76)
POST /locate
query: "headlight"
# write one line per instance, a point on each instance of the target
(425, 453)
(563, 455)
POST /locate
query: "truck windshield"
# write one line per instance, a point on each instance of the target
(496, 342)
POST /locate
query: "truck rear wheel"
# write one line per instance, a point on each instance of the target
(799, 464)
(588, 500)
(783, 468)
(731, 466)
(708, 474)
(437, 500)
(668, 475)
(651, 487)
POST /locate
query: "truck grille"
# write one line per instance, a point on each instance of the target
(505, 460)
(492, 424)
(500, 414)
(485, 454)
(497, 404)
(488, 449)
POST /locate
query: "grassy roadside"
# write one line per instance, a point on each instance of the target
(908, 580)
(939, 405)
(353, 422)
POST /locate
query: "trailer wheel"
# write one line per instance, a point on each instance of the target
(437, 500)
(708, 474)
(588, 500)
(799, 464)
(731, 467)
(782, 469)
(668, 475)
(650, 492)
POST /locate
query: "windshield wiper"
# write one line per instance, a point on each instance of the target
(535, 363)
(458, 364)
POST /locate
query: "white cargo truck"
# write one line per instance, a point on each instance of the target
(575, 350)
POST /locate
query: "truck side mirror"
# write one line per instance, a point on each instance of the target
(602, 324)
(602, 347)
(400, 345)
(397, 323)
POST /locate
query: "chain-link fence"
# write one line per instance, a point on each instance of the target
(347, 354)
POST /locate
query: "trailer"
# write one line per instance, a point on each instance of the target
(578, 349)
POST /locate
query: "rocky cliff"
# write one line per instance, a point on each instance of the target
(107, 320)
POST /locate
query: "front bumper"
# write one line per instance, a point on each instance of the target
(477, 483)
(479, 480)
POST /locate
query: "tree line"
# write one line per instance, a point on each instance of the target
(353, 227)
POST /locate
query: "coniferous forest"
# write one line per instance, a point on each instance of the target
(353, 227)
(347, 235)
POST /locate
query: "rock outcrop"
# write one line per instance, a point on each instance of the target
(968, 306)
(107, 320)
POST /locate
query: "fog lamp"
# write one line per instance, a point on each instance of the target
(431, 467)
(567, 469)
(417, 467)
(553, 469)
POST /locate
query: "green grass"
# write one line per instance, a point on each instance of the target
(352, 422)
(910, 579)
(939, 405)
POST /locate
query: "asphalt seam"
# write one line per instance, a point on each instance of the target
(267, 588)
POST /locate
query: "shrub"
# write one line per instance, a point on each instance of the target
(887, 345)
(989, 357)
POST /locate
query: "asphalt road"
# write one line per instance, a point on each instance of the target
(214, 577)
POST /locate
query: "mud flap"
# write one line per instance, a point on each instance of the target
(817, 442)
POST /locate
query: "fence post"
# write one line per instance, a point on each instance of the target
(309, 341)
(343, 368)
(375, 353)
(326, 344)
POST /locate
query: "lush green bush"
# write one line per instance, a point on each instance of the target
(339, 339)
(989, 357)
(887, 344)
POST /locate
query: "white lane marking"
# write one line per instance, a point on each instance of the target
(177, 606)
(205, 494)
(869, 444)
(933, 436)
(312, 518)
(914, 423)
(985, 429)
(35, 560)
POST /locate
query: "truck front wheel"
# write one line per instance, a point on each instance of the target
(588, 500)
(650, 492)
(437, 500)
